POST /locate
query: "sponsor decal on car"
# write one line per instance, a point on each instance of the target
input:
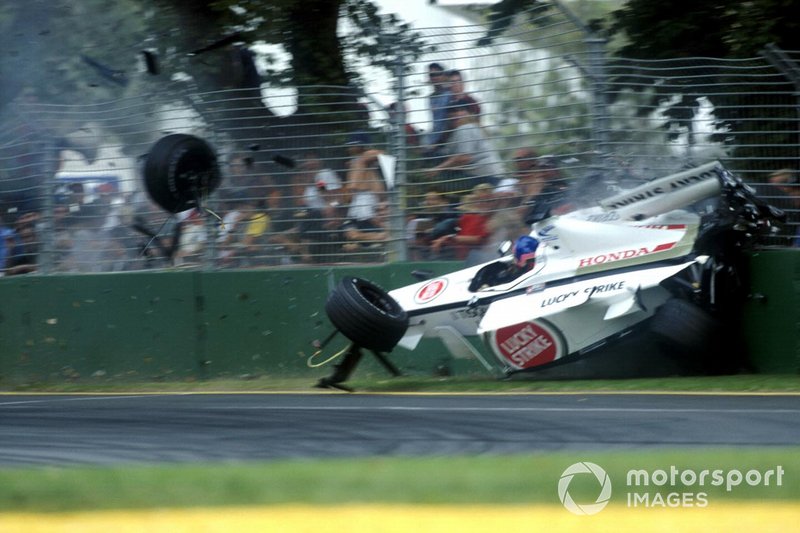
(620, 255)
(590, 290)
(604, 217)
(679, 181)
(527, 344)
(430, 290)
(545, 234)
(663, 226)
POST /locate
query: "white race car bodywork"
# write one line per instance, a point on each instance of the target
(598, 273)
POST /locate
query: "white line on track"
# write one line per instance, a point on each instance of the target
(77, 399)
(420, 408)
(497, 409)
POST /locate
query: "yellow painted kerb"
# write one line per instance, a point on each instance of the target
(730, 516)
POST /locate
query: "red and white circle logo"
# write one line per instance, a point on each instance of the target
(527, 344)
(430, 290)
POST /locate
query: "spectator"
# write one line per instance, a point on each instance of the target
(460, 96)
(303, 231)
(24, 255)
(411, 133)
(470, 152)
(436, 218)
(323, 191)
(438, 101)
(367, 243)
(192, 240)
(541, 186)
(242, 178)
(234, 213)
(365, 187)
(505, 224)
(318, 181)
(472, 231)
(786, 196)
(6, 246)
(160, 236)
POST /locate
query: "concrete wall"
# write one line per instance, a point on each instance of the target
(195, 325)
(772, 314)
(177, 325)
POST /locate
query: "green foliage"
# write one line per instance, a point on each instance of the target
(46, 48)
(529, 114)
(680, 32)
(710, 28)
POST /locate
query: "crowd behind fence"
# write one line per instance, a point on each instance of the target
(454, 153)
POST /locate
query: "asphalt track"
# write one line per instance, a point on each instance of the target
(155, 428)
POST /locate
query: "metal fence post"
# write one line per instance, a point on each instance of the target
(397, 195)
(46, 260)
(600, 120)
(596, 47)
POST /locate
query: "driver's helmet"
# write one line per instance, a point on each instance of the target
(525, 251)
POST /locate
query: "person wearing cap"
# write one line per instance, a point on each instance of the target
(469, 152)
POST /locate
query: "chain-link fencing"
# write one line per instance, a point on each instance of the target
(465, 140)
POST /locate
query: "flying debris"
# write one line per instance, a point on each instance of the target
(151, 62)
(115, 76)
(225, 41)
(282, 160)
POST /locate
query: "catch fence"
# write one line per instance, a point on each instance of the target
(340, 175)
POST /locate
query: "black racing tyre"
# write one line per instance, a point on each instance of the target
(366, 314)
(180, 170)
(685, 326)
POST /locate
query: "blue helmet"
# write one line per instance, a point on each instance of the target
(525, 250)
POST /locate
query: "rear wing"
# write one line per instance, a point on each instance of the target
(666, 194)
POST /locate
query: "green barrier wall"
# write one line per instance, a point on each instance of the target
(181, 325)
(772, 314)
(203, 325)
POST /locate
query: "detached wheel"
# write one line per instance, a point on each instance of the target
(180, 170)
(366, 314)
(685, 326)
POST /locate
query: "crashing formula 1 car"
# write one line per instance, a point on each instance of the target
(665, 255)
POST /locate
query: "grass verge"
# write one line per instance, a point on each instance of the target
(379, 384)
(515, 479)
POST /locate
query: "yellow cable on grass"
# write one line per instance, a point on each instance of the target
(328, 360)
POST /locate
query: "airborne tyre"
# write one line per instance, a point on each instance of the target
(179, 171)
(685, 326)
(366, 314)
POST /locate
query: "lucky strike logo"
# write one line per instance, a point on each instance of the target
(430, 290)
(527, 344)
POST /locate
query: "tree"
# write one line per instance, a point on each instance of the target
(679, 32)
(718, 29)
(705, 28)
(83, 52)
